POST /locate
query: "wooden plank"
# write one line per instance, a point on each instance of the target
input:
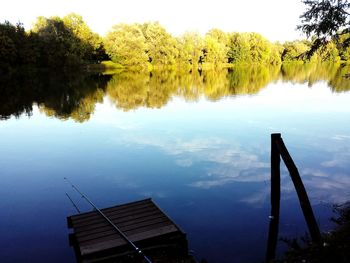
(127, 205)
(90, 248)
(117, 221)
(151, 229)
(129, 232)
(125, 229)
(95, 229)
(178, 228)
(114, 216)
(109, 211)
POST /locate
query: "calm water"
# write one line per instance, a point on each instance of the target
(198, 144)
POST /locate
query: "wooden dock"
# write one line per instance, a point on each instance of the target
(95, 240)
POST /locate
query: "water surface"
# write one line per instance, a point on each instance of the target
(197, 143)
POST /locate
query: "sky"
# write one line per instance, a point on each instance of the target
(274, 19)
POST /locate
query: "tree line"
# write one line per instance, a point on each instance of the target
(66, 42)
(52, 42)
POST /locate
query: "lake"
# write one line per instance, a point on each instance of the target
(197, 143)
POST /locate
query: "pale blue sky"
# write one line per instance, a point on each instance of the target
(275, 19)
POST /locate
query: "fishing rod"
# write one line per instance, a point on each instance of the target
(139, 251)
(71, 200)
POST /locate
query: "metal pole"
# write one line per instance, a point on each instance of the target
(110, 222)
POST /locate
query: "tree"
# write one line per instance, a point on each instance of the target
(260, 48)
(190, 47)
(66, 41)
(90, 44)
(215, 47)
(161, 46)
(126, 45)
(294, 50)
(58, 45)
(239, 48)
(325, 20)
(247, 48)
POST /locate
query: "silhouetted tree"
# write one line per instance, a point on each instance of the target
(53, 42)
(325, 20)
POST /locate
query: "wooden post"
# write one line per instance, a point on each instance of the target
(275, 198)
(300, 189)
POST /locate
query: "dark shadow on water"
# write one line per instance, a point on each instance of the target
(59, 95)
(335, 246)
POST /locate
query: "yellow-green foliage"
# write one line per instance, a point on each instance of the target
(126, 45)
(190, 46)
(295, 50)
(328, 52)
(344, 49)
(252, 48)
(53, 42)
(59, 42)
(149, 43)
(137, 45)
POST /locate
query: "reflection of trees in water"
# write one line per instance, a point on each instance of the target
(62, 96)
(249, 80)
(75, 96)
(129, 90)
(334, 74)
(341, 81)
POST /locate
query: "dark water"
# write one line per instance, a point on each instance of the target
(198, 144)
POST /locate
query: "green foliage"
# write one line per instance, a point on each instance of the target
(294, 50)
(68, 42)
(328, 52)
(252, 48)
(137, 45)
(276, 54)
(190, 46)
(53, 42)
(239, 48)
(126, 45)
(334, 248)
(161, 46)
(58, 45)
(215, 47)
(343, 47)
(325, 20)
(13, 42)
(90, 44)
